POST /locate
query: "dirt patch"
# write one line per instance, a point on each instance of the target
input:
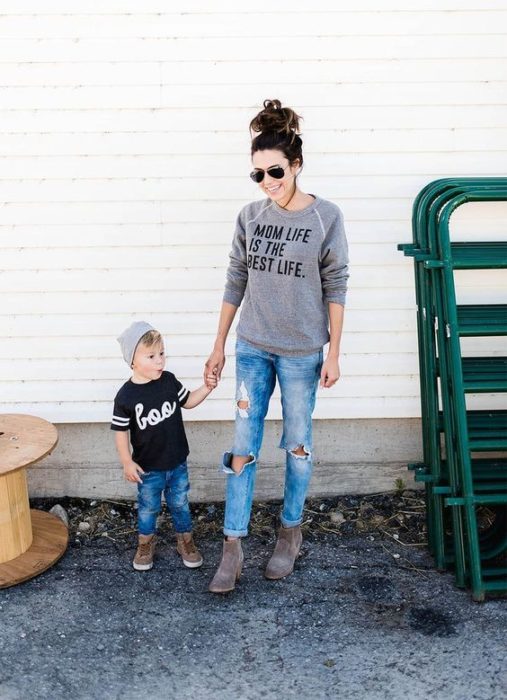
(393, 516)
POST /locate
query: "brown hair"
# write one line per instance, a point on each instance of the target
(278, 129)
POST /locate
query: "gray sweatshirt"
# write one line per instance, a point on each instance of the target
(286, 266)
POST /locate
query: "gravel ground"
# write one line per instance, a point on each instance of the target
(364, 615)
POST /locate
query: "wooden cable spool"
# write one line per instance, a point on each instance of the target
(30, 541)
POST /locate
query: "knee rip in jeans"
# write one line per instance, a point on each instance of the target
(300, 452)
(249, 460)
(243, 403)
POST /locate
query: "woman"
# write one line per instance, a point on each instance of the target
(288, 265)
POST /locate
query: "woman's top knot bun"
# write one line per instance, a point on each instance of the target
(275, 118)
(277, 128)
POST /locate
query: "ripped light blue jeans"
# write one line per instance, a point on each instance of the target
(256, 375)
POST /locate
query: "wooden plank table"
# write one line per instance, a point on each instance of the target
(30, 540)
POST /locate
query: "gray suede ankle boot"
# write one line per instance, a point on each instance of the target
(286, 550)
(230, 567)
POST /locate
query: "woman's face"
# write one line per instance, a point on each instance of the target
(276, 189)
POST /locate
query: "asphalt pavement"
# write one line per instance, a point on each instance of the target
(361, 617)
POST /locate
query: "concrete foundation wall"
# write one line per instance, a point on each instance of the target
(350, 456)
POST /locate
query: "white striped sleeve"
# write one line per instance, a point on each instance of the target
(183, 393)
(121, 417)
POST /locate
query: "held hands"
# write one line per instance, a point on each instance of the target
(330, 372)
(131, 472)
(211, 380)
(213, 368)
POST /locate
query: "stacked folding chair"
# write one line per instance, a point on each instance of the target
(464, 464)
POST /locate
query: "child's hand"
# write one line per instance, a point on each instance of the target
(211, 380)
(131, 472)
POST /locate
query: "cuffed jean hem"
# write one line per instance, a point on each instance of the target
(288, 523)
(181, 532)
(146, 534)
(235, 533)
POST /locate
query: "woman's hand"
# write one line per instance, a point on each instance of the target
(214, 366)
(330, 372)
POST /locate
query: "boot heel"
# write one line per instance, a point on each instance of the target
(229, 570)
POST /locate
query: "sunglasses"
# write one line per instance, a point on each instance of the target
(275, 171)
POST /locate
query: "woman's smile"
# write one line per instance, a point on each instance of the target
(273, 189)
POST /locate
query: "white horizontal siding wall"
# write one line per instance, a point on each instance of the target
(124, 161)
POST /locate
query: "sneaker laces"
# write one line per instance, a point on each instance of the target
(189, 547)
(145, 549)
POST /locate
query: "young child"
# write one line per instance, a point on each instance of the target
(149, 406)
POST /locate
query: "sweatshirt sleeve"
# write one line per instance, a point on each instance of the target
(237, 272)
(334, 260)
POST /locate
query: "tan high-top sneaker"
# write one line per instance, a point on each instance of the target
(186, 548)
(230, 567)
(286, 550)
(143, 559)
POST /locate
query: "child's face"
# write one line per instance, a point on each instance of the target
(148, 362)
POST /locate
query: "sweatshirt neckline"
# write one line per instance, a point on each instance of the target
(299, 212)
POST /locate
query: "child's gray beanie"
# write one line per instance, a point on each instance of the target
(129, 339)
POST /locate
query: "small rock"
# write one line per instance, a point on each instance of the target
(396, 536)
(396, 556)
(100, 647)
(93, 503)
(322, 507)
(336, 517)
(84, 526)
(61, 513)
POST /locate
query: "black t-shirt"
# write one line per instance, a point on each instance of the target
(152, 413)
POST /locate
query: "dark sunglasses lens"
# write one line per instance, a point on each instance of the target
(276, 172)
(257, 175)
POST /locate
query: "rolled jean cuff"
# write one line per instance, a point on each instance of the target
(235, 533)
(288, 524)
(142, 531)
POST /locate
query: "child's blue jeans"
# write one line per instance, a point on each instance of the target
(256, 375)
(175, 485)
